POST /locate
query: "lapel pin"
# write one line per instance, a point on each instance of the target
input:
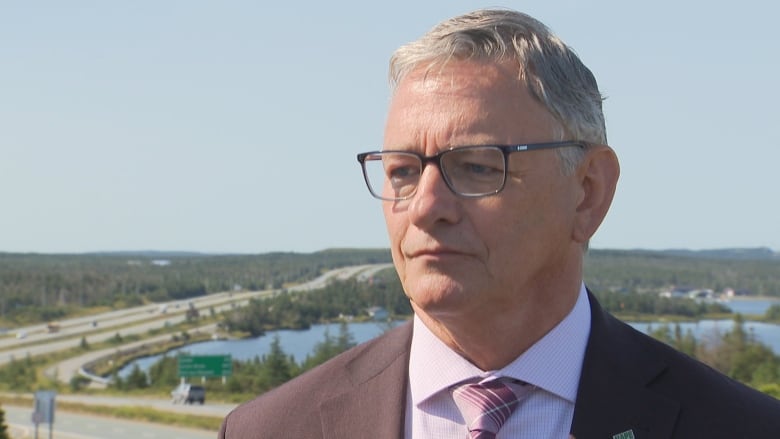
(625, 435)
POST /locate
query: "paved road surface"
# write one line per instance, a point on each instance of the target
(162, 404)
(79, 426)
(69, 368)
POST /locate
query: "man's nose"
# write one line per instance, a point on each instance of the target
(433, 201)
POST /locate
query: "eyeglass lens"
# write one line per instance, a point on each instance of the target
(468, 171)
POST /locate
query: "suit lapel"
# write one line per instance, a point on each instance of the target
(375, 405)
(613, 396)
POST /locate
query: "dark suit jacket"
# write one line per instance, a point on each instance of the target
(630, 384)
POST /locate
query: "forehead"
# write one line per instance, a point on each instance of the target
(466, 80)
(466, 102)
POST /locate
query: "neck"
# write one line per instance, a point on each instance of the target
(491, 344)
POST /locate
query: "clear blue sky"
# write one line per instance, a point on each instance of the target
(232, 126)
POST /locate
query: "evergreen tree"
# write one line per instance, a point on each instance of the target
(773, 313)
(164, 372)
(18, 374)
(277, 366)
(329, 347)
(346, 340)
(4, 433)
(739, 355)
(137, 379)
(684, 343)
(663, 333)
(116, 381)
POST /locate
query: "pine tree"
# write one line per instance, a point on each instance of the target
(277, 367)
(345, 340)
(323, 351)
(4, 433)
(137, 379)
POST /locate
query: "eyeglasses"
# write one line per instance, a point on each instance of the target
(469, 171)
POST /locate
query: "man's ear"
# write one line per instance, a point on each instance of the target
(597, 174)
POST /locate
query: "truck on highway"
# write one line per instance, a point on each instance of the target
(188, 394)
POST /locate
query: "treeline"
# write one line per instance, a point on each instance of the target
(773, 314)
(653, 304)
(251, 377)
(641, 271)
(36, 287)
(298, 310)
(736, 353)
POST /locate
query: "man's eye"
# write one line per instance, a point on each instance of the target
(401, 172)
(476, 170)
(479, 169)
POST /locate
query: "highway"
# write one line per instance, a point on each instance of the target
(127, 322)
(67, 369)
(140, 320)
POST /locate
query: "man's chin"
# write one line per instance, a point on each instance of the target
(438, 294)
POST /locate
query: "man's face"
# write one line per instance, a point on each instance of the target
(469, 256)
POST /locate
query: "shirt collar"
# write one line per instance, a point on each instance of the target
(433, 366)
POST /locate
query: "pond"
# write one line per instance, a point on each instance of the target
(301, 343)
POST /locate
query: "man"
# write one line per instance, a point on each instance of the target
(494, 174)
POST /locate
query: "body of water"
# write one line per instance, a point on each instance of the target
(710, 330)
(297, 343)
(751, 306)
(707, 330)
(301, 343)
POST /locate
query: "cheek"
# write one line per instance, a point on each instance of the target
(396, 228)
(546, 226)
(392, 222)
(525, 225)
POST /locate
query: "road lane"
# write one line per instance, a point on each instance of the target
(162, 404)
(68, 425)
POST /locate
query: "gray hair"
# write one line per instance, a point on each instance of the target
(550, 69)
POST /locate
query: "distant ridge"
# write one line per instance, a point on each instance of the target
(756, 253)
(156, 254)
(746, 254)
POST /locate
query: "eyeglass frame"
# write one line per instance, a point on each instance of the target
(436, 159)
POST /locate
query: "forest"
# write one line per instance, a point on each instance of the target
(39, 287)
(753, 272)
(42, 287)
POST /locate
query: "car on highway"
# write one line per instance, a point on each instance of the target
(188, 394)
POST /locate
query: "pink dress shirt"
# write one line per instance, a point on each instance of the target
(552, 365)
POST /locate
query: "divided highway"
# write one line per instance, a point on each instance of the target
(140, 320)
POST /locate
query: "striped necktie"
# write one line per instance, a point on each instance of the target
(485, 406)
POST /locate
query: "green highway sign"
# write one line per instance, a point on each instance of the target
(205, 366)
